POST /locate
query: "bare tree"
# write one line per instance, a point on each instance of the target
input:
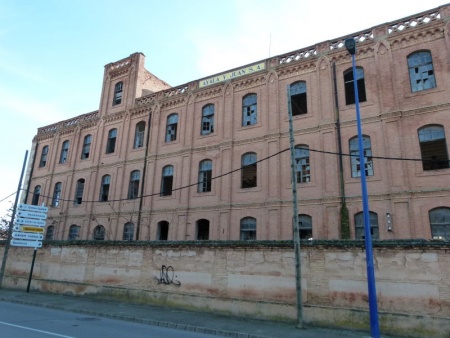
(4, 223)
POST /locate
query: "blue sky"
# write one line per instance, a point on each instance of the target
(52, 52)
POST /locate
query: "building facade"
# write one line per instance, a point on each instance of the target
(210, 159)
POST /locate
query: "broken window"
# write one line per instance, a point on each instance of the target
(171, 128)
(354, 156)
(302, 166)
(249, 110)
(350, 97)
(359, 225)
(248, 171)
(208, 119)
(44, 155)
(421, 72)
(167, 181)
(433, 147)
(297, 93)
(86, 147)
(204, 176)
(118, 89)
(248, 229)
(440, 223)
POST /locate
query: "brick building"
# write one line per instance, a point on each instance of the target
(210, 159)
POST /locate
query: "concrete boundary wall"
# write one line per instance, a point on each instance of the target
(254, 279)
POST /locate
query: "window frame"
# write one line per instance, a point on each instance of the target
(86, 150)
(99, 233)
(205, 176)
(248, 229)
(139, 134)
(105, 188)
(249, 170)
(249, 110)
(133, 186)
(167, 180)
(418, 66)
(162, 231)
(56, 194)
(439, 157)
(354, 156)
(74, 232)
(50, 233)
(44, 156)
(64, 155)
(208, 113)
(302, 163)
(118, 93)
(349, 86)
(359, 225)
(36, 195)
(171, 128)
(79, 190)
(128, 231)
(305, 230)
(202, 230)
(111, 142)
(443, 222)
(298, 92)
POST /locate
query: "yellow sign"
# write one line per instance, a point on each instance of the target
(31, 229)
(231, 75)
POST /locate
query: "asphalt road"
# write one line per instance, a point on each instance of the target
(23, 321)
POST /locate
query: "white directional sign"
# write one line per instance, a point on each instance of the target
(31, 214)
(30, 221)
(28, 235)
(29, 226)
(28, 244)
(29, 207)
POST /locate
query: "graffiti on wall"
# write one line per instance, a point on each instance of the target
(166, 276)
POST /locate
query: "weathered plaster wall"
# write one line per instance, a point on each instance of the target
(257, 280)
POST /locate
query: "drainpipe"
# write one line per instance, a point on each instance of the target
(144, 170)
(345, 224)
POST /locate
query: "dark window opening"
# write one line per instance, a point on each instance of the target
(350, 97)
(249, 171)
(203, 229)
(298, 98)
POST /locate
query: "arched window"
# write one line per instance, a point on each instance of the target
(171, 128)
(56, 194)
(99, 233)
(111, 143)
(163, 231)
(133, 187)
(50, 232)
(359, 225)
(139, 135)
(440, 223)
(249, 171)
(86, 147)
(74, 232)
(118, 90)
(350, 85)
(36, 195)
(297, 93)
(354, 159)
(64, 152)
(104, 188)
(204, 176)
(202, 229)
(302, 166)
(433, 147)
(248, 229)
(128, 231)
(208, 119)
(421, 72)
(305, 226)
(167, 181)
(79, 189)
(44, 155)
(249, 110)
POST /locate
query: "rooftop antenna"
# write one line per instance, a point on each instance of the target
(270, 42)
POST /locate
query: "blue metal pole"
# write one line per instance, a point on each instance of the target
(373, 307)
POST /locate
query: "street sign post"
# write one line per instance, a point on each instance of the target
(30, 221)
(29, 207)
(27, 244)
(31, 214)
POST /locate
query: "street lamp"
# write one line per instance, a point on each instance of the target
(350, 45)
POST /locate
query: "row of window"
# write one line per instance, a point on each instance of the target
(433, 147)
(87, 141)
(439, 222)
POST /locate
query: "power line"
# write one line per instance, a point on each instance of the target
(253, 164)
(8, 196)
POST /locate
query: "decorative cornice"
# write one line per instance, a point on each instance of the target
(175, 103)
(411, 38)
(204, 95)
(249, 83)
(114, 117)
(305, 67)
